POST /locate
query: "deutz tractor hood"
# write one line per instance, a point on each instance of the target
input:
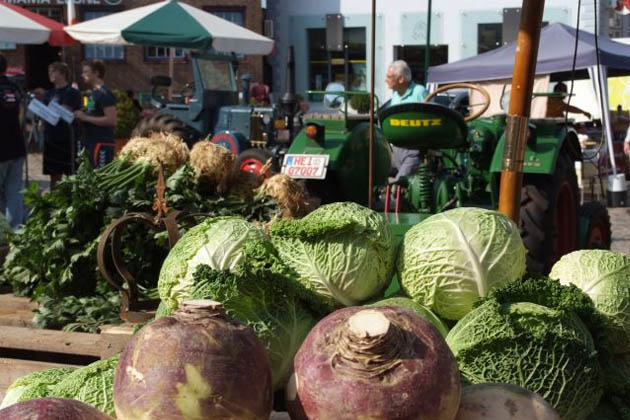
(423, 126)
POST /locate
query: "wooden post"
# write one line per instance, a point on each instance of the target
(171, 70)
(519, 111)
(371, 136)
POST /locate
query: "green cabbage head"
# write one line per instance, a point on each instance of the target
(547, 351)
(216, 242)
(343, 252)
(92, 384)
(605, 277)
(451, 259)
(34, 385)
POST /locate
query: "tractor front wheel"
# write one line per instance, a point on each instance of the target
(253, 160)
(168, 124)
(549, 215)
(595, 228)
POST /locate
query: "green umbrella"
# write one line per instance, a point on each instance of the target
(171, 24)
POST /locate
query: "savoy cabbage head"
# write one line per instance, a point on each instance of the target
(451, 259)
(605, 277)
(34, 385)
(92, 384)
(217, 242)
(534, 333)
(343, 252)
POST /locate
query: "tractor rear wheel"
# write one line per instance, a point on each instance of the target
(166, 123)
(595, 226)
(549, 215)
(253, 160)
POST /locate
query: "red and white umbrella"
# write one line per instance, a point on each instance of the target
(21, 26)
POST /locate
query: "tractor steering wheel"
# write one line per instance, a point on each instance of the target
(484, 105)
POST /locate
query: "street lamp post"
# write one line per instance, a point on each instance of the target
(427, 49)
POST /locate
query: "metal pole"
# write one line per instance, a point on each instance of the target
(371, 137)
(427, 49)
(519, 111)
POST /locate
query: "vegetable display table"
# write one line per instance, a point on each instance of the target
(24, 349)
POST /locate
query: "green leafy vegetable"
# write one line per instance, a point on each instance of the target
(511, 337)
(451, 259)
(344, 252)
(34, 385)
(216, 242)
(605, 277)
(92, 384)
(53, 259)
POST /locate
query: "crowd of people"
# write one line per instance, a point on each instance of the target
(92, 129)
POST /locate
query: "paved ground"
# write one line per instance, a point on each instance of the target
(619, 217)
(620, 220)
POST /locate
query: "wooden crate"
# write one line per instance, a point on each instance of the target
(24, 349)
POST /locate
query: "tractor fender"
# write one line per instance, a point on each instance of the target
(234, 141)
(542, 151)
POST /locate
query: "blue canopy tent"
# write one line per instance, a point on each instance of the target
(555, 55)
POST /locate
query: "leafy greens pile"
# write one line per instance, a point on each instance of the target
(53, 258)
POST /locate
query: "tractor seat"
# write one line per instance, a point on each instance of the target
(423, 126)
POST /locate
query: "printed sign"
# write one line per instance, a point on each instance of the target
(42, 111)
(305, 166)
(62, 2)
(64, 113)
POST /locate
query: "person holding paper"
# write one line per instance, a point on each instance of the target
(99, 118)
(12, 150)
(58, 147)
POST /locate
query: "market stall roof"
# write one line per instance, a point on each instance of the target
(171, 24)
(21, 26)
(557, 43)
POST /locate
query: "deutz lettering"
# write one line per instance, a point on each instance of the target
(428, 122)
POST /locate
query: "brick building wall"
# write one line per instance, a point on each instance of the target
(135, 71)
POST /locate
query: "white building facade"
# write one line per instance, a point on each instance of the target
(459, 29)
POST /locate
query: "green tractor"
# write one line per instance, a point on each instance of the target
(460, 166)
(209, 107)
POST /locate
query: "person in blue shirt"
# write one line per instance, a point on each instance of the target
(398, 79)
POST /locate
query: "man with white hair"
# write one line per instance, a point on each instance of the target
(398, 79)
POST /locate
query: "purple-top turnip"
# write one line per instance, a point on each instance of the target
(197, 363)
(52, 409)
(379, 363)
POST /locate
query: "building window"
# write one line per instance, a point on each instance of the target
(161, 53)
(103, 52)
(347, 66)
(489, 36)
(234, 15)
(414, 56)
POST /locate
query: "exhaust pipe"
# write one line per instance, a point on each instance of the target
(288, 101)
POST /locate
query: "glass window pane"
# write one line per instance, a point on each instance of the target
(103, 52)
(489, 36)
(217, 75)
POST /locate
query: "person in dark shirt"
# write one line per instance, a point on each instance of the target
(99, 117)
(12, 150)
(58, 139)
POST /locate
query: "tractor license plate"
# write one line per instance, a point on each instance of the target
(305, 166)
